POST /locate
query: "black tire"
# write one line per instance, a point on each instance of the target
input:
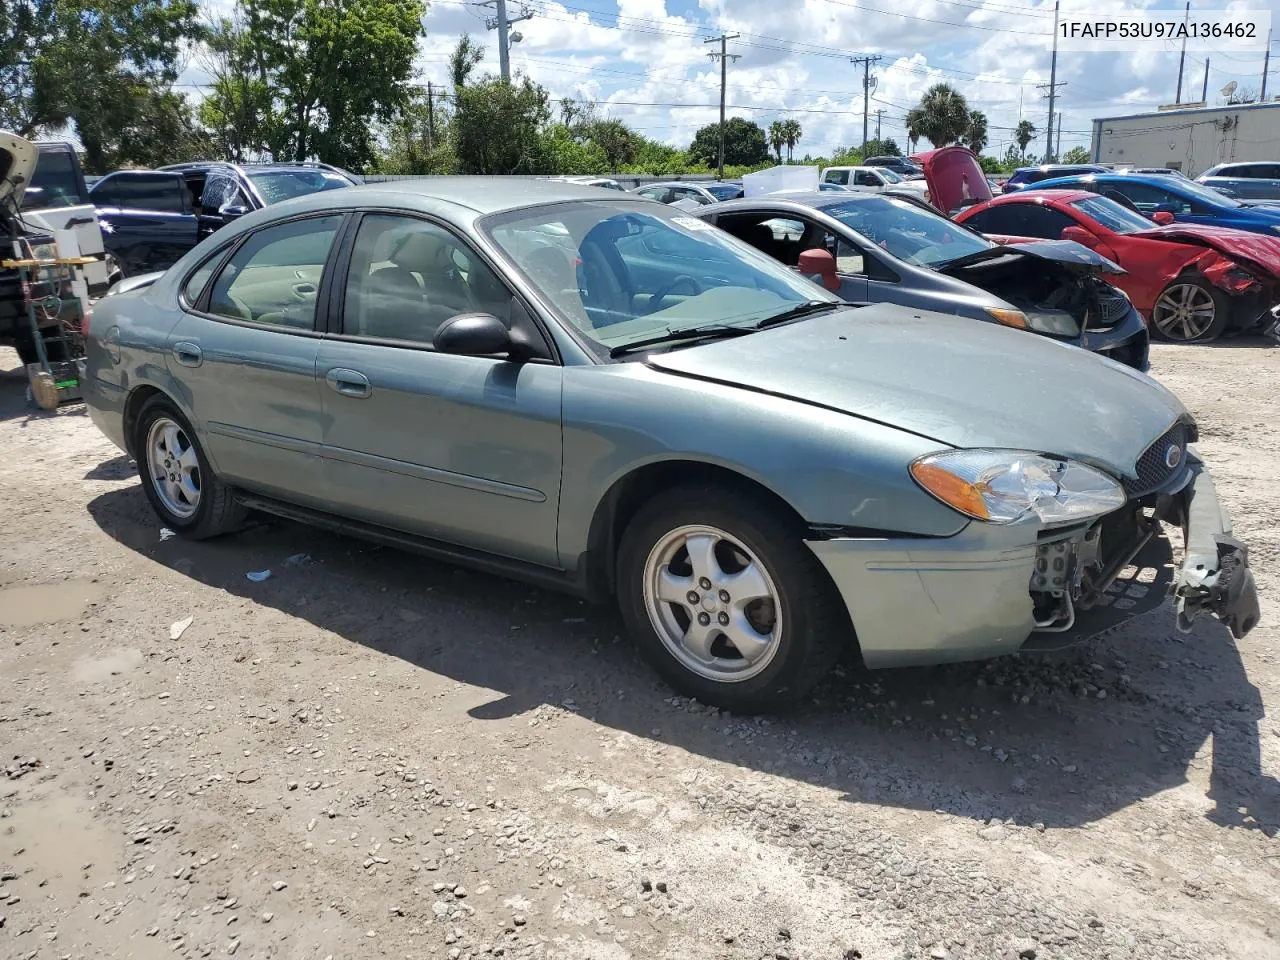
(1221, 311)
(815, 623)
(217, 512)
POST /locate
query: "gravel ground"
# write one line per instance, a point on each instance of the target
(373, 755)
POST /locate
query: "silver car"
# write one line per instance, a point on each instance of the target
(607, 396)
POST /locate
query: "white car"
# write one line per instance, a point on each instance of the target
(874, 180)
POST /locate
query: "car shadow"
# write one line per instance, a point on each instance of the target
(1058, 739)
(13, 397)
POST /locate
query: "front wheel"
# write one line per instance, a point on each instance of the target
(724, 599)
(1189, 310)
(176, 477)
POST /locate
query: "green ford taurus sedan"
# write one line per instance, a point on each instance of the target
(596, 392)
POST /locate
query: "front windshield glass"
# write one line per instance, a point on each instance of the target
(890, 175)
(623, 272)
(1114, 216)
(907, 231)
(1207, 194)
(277, 185)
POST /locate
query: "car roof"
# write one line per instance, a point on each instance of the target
(1062, 193)
(813, 200)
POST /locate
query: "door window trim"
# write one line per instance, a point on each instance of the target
(201, 307)
(336, 292)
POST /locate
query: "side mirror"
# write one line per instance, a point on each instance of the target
(1080, 235)
(822, 263)
(232, 210)
(473, 335)
(1162, 217)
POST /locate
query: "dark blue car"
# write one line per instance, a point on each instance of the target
(1184, 200)
(1025, 177)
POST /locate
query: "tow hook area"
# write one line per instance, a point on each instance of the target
(1223, 585)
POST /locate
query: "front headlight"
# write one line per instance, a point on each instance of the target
(1008, 318)
(1276, 227)
(1003, 486)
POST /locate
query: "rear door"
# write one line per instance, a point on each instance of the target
(461, 449)
(245, 351)
(57, 199)
(147, 217)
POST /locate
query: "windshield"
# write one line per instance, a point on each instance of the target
(724, 191)
(1114, 216)
(907, 231)
(890, 175)
(1207, 194)
(55, 182)
(623, 272)
(277, 185)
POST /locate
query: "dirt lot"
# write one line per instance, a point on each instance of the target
(372, 755)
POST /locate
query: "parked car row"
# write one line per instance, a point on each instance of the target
(610, 396)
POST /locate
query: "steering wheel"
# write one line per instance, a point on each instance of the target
(655, 301)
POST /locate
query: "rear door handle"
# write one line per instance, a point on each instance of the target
(187, 354)
(349, 383)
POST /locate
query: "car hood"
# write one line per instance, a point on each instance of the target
(955, 178)
(1076, 259)
(17, 163)
(961, 382)
(1257, 249)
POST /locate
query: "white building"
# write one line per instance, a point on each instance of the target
(1190, 137)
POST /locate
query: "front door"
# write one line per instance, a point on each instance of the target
(147, 218)
(245, 353)
(465, 450)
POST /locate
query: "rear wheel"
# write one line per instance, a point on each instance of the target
(724, 599)
(176, 477)
(1189, 310)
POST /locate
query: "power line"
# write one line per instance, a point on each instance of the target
(868, 84)
(724, 57)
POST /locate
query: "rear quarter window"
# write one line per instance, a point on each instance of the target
(56, 180)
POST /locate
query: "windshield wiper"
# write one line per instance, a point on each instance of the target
(705, 332)
(798, 311)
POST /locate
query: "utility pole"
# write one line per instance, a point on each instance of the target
(879, 114)
(724, 56)
(868, 84)
(1266, 65)
(1204, 91)
(1053, 83)
(1182, 57)
(431, 116)
(502, 23)
(1058, 152)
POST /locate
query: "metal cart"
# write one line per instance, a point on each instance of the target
(56, 316)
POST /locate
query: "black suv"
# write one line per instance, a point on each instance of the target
(150, 218)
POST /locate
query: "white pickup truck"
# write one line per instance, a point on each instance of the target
(874, 180)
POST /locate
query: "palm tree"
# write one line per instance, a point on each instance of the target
(777, 137)
(944, 115)
(976, 137)
(915, 121)
(792, 135)
(1024, 134)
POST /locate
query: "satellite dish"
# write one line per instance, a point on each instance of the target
(1229, 89)
(516, 36)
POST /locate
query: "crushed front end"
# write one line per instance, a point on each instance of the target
(1090, 578)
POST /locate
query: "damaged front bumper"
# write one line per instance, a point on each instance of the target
(988, 591)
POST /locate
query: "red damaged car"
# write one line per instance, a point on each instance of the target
(1192, 283)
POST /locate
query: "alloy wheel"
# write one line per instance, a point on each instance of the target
(712, 603)
(1185, 311)
(174, 467)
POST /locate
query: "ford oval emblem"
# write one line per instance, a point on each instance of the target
(1173, 456)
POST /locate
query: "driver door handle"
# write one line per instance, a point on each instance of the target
(187, 354)
(349, 383)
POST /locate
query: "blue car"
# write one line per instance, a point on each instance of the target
(1168, 199)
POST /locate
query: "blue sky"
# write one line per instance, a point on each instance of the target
(644, 61)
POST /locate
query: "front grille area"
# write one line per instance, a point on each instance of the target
(1152, 468)
(1114, 307)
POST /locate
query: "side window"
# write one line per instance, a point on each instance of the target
(865, 178)
(158, 192)
(220, 191)
(1005, 220)
(1044, 223)
(849, 259)
(1148, 198)
(408, 276)
(200, 278)
(836, 176)
(56, 180)
(275, 275)
(104, 193)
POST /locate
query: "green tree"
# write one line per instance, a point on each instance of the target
(1077, 155)
(616, 142)
(104, 69)
(744, 143)
(1023, 135)
(777, 137)
(914, 123)
(975, 138)
(419, 139)
(883, 148)
(943, 116)
(498, 125)
(329, 70)
(793, 133)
